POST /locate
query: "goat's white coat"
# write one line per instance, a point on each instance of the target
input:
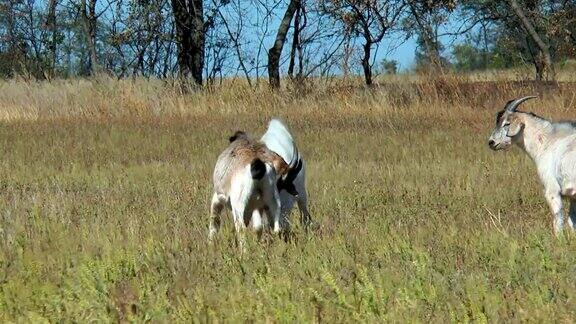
(279, 140)
(248, 198)
(552, 147)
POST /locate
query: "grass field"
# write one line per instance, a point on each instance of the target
(104, 207)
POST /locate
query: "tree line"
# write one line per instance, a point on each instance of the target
(204, 41)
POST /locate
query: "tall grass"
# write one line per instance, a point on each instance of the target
(105, 189)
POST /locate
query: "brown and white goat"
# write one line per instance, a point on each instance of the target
(245, 179)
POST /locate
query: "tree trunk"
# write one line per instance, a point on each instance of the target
(198, 38)
(366, 63)
(182, 22)
(276, 50)
(295, 43)
(346, 56)
(90, 22)
(190, 37)
(52, 45)
(543, 58)
(167, 58)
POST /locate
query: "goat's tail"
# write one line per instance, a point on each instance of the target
(257, 169)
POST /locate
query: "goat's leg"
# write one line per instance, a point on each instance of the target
(262, 226)
(305, 218)
(216, 207)
(572, 219)
(238, 214)
(240, 194)
(275, 212)
(555, 202)
(287, 202)
(281, 224)
(257, 217)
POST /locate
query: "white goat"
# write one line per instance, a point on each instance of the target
(293, 188)
(551, 145)
(245, 179)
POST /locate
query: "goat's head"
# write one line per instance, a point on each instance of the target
(286, 182)
(509, 125)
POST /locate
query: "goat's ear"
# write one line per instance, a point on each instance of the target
(288, 186)
(291, 189)
(237, 135)
(516, 126)
(287, 182)
(293, 173)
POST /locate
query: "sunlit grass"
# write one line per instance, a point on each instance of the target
(105, 190)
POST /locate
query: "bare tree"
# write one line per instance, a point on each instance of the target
(542, 60)
(276, 50)
(424, 19)
(220, 38)
(370, 20)
(90, 22)
(53, 42)
(190, 37)
(529, 27)
(299, 24)
(234, 33)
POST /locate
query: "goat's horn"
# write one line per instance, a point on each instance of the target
(513, 104)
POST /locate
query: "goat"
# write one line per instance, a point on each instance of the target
(551, 145)
(245, 179)
(279, 140)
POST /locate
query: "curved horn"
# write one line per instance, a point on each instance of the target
(513, 104)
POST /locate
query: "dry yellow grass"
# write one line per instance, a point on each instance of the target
(105, 188)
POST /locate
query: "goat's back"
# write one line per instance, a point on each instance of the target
(279, 140)
(239, 155)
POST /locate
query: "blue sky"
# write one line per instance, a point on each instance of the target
(404, 53)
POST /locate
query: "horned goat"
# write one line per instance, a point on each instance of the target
(551, 145)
